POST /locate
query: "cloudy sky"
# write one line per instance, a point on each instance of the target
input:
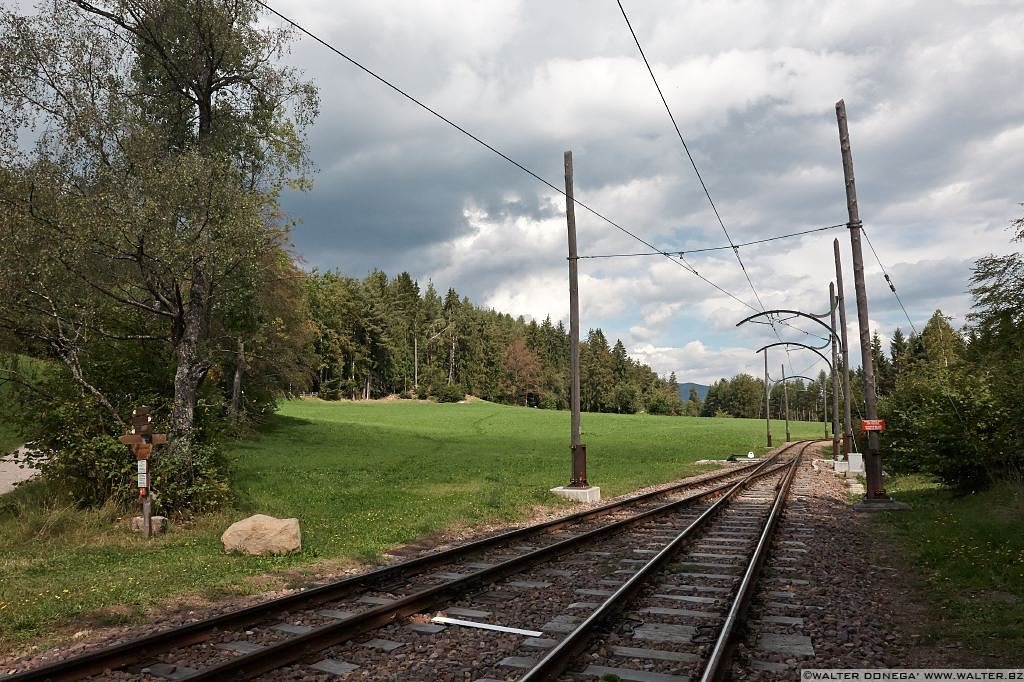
(936, 110)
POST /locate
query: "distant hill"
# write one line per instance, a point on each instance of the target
(684, 390)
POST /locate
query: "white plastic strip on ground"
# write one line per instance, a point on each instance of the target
(484, 626)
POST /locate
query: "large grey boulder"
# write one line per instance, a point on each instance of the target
(262, 534)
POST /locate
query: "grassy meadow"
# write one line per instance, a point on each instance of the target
(9, 438)
(969, 552)
(360, 477)
(28, 368)
(392, 471)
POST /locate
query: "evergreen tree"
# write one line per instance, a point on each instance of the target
(693, 405)
(714, 400)
(596, 378)
(881, 365)
(899, 353)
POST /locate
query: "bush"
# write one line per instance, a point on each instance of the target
(449, 394)
(190, 480)
(945, 422)
(78, 452)
(548, 401)
(92, 472)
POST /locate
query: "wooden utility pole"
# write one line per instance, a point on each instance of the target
(872, 458)
(785, 400)
(835, 372)
(579, 450)
(845, 349)
(767, 401)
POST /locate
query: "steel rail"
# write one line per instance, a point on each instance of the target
(721, 655)
(556, 661)
(132, 651)
(297, 648)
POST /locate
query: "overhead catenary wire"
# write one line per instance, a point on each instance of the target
(700, 178)
(920, 337)
(892, 287)
(689, 156)
(499, 153)
(688, 252)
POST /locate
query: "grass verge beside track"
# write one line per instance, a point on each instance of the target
(360, 477)
(969, 551)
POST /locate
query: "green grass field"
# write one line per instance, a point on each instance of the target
(9, 438)
(969, 550)
(360, 477)
(27, 367)
(391, 471)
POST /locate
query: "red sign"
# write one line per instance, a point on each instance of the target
(872, 425)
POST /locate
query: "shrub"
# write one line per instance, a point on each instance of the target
(449, 394)
(945, 422)
(78, 452)
(190, 480)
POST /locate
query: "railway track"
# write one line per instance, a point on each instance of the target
(286, 631)
(677, 617)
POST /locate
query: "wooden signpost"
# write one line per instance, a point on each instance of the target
(141, 440)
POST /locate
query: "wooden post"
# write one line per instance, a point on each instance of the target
(845, 349)
(835, 373)
(872, 458)
(785, 400)
(141, 440)
(824, 409)
(579, 450)
(767, 401)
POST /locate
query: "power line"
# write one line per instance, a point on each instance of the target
(498, 152)
(920, 337)
(686, 252)
(686, 149)
(892, 287)
(700, 178)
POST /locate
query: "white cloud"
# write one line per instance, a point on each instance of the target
(695, 362)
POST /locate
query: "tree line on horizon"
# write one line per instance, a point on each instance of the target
(383, 336)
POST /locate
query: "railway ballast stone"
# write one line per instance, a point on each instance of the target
(261, 534)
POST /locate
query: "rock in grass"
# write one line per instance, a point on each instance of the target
(262, 534)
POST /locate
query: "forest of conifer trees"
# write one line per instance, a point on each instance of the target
(383, 336)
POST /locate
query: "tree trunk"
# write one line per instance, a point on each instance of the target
(451, 364)
(191, 368)
(236, 384)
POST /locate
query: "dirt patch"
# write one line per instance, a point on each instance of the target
(13, 470)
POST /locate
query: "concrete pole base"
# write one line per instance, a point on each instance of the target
(867, 505)
(157, 524)
(589, 494)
